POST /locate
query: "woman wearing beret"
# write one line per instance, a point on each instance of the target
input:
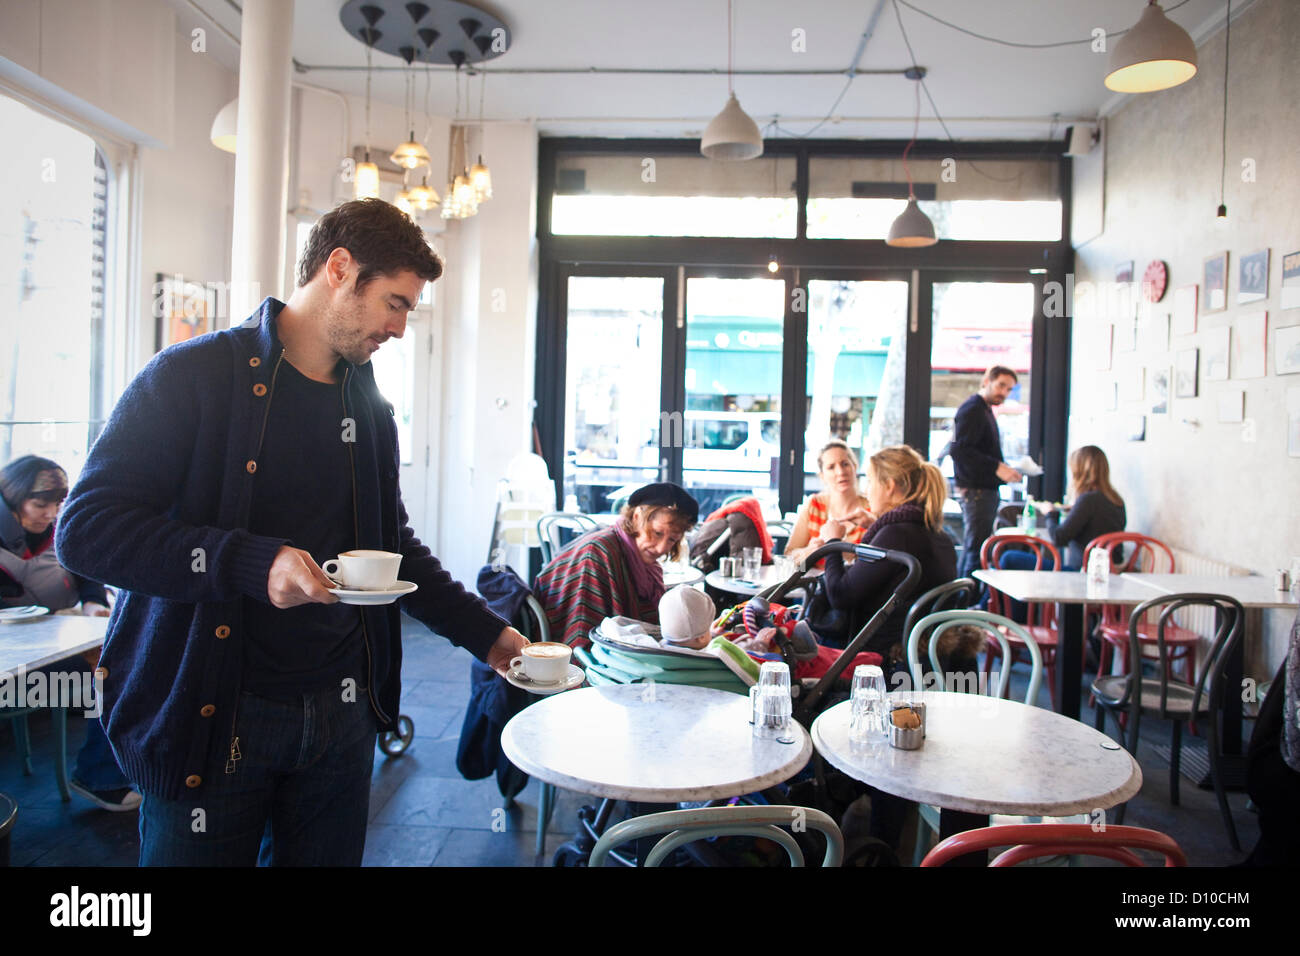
(615, 571)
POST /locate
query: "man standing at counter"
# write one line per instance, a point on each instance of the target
(978, 468)
(241, 697)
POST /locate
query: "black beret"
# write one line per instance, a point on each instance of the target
(665, 494)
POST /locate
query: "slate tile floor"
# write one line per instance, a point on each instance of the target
(423, 813)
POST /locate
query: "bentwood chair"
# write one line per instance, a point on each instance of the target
(1160, 696)
(952, 596)
(688, 826)
(1034, 840)
(555, 529)
(1133, 552)
(1040, 617)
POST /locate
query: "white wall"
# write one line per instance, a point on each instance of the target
(1220, 490)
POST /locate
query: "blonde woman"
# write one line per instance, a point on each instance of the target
(906, 494)
(839, 499)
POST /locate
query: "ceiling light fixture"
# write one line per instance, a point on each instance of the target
(412, 153)
(913, 228)
(224, 126)
(731, 135)
(1222, 212)
(1154, 54)
(365, 185)
(480, 177)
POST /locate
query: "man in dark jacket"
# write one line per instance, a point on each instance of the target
(240, 695)
(978, 468)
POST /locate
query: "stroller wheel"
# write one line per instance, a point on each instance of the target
(395, 744)
(569, 855)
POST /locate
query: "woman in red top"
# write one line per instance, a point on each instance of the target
(839, 499)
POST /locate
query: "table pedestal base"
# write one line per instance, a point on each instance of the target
(957, 821)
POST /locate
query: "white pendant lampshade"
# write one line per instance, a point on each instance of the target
(403, 202)
(423, 197)
(1154, 55)
(912, 229)
(732, 135)
(224, 126)
(481, 179)
(366, 182)
(410, 154)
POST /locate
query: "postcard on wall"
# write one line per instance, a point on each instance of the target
(182, 309)
(1184, 322)
(1137, 428)
(1217, 345)
(1215, 281)
(1252, 277)
(1186, 366)
(1124, 271)
(1293, 422)
(1155, 332)
(1231, 404)
(1160, 376)
(1291, 280)
(1249, 345)
(1286, 350)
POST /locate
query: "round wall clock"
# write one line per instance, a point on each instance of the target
(1154, 280)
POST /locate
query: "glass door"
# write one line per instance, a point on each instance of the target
(732, 379)
(613, 360)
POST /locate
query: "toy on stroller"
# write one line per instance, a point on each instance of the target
(613, 661)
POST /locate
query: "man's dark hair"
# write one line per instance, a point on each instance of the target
(379, 236)
(995, 372)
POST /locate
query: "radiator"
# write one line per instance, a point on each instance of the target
(1201, 619)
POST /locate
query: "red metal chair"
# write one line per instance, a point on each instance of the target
(1029, 841)
(1040, 618)
(1141, 553)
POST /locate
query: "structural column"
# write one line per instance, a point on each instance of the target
(262, 157)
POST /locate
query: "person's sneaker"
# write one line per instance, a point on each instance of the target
(119, 801)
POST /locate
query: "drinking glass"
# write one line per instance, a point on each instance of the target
(770, 702)
(752, 559)
(867, 723)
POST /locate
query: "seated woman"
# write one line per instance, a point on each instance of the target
(906, 494)
(839, 499)
(615, 571)
(1096, 507)
(33, 490)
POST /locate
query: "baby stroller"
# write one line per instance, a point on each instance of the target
(810, 698)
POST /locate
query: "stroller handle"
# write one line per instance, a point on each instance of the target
(864, 552)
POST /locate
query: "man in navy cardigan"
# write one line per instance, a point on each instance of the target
(978, 468)
(240, 696)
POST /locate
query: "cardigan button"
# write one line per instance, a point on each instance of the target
(259, 389)
(251, 466)
(193, 780)
(101, 673)
(255, 361)
(207, 710)
(223, 632)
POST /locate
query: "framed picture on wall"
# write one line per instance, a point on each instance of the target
(1154, 332)
(1184, 322)
(1252, 277)
(182, 309)
(1137, 428)
(1291, 280)
(1215, 281)
(1231, 405)
(1286, 350)
(1186, 369)
(1160, 376)
(1250, 346)
(1217, 347)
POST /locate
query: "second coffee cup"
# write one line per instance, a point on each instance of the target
(364, 570)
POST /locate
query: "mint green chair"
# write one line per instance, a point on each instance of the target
(687, 826)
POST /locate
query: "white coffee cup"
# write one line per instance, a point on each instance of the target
(546, 662)
(364, 570)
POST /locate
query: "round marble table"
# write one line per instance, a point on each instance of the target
(649, 743)
(742, 588)
(985, 755)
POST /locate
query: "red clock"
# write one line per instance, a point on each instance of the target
(1154, 280)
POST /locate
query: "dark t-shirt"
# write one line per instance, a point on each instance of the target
(303, 492)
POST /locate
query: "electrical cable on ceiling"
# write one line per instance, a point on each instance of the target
(1013, 43)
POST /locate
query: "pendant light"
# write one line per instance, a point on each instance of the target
(365, 185)
(479, 175)
(412, 153)
(224, 126)
(1154, 54)
(1222, 211)
(423, 197)
(731, 135)
(913, 228)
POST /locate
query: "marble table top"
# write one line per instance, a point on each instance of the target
(767, 577)
(34, 644)
(1252, 590)
(987, 755)
(679, 572)
(651, 743)
(1068, 587)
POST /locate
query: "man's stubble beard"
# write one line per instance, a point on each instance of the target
(345, 338)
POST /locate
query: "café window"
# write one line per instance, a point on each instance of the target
(54, 239)
(984, 200)
(673, 195)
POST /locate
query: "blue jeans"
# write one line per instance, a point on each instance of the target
(300, 794)
(979, 509)
(96, 767)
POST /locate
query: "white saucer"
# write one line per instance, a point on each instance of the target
(386, 596)
(574, 678)
(17, 615)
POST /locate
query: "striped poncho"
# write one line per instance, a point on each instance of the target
(587, 582)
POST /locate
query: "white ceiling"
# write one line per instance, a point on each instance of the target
(982, 89)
